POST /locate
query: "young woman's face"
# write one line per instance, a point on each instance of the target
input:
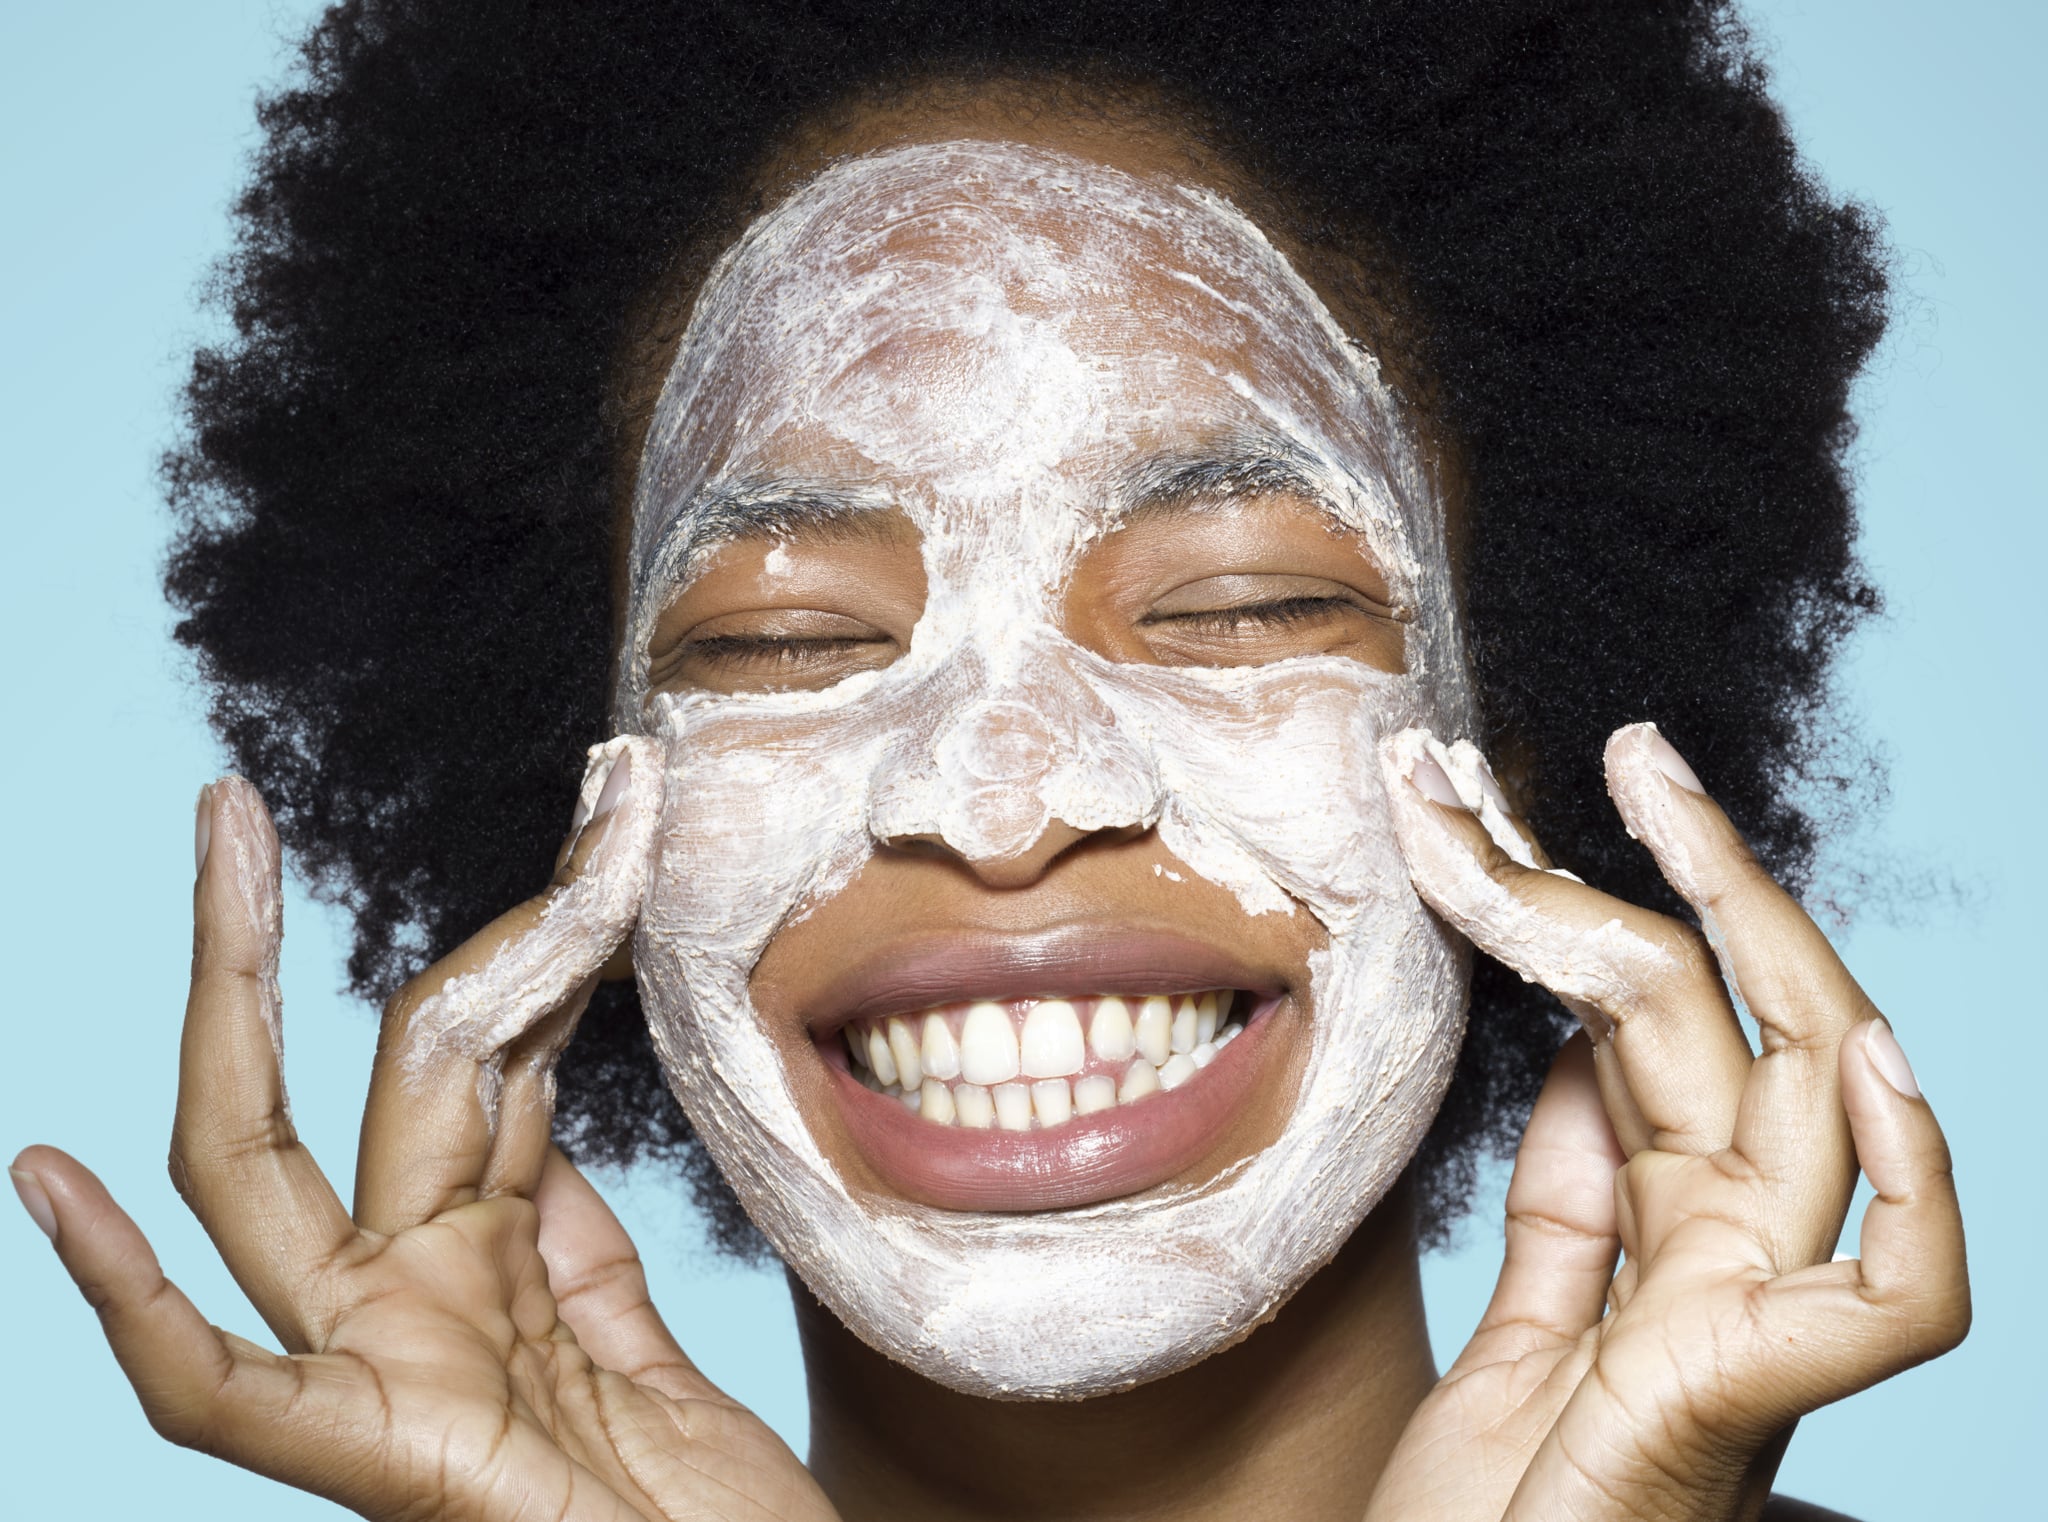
(1024, 568)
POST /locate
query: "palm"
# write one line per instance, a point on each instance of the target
(454, 1375)
(473, 1339)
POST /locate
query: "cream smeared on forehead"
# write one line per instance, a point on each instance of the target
(1008, 345)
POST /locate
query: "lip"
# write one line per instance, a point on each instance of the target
(1109, 1155)
(1062, 962)
(1090, 1159)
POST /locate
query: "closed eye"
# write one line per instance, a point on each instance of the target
(753, 650)
(760, 659)
(1280, 613)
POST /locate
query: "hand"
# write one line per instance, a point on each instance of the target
(1668, 1390)
(477, 1341)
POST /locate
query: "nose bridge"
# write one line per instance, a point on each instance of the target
(1010, 761)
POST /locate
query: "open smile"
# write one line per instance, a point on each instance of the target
(984, 1096)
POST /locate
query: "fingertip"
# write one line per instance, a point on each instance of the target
(34, 1199)
(1887, 1058)
(616, 781)
(202, 830)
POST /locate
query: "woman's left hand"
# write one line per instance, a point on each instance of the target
(1722, 1179)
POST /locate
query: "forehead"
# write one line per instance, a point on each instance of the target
(963, 312)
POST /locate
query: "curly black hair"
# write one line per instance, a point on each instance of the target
(1639, 314)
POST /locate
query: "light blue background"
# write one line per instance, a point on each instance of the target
(123, 130)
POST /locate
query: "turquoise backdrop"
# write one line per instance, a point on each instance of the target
(124, 127)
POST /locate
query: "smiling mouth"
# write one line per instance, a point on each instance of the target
(1046, 1070)
(1038, 1064)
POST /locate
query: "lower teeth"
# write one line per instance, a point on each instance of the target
(1045, 1103)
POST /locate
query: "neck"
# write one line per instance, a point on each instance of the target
(1297, 1420)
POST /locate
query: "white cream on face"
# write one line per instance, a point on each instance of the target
(996, 341)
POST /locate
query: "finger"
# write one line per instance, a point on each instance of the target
(526, 1108)
(1777, 962)
(1673, 1058)
(235, 1156)
(1479, 792)
(1562, 1237)
(428, 1127)
(181, 1368)
(600, 1288)
(1833, 1329)
(1915, 1268)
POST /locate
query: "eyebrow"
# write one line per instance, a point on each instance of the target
(823, 512)
(778, 510)
(1175, 483)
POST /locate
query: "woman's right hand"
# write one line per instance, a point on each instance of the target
(476, 1340)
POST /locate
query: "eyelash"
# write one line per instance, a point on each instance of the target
(764, 649)
(1274, 615)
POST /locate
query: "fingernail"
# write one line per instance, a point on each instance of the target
(202, 829)
(1665, 757)
(614, 786)
(1430, 780)
(1889, 1058)
(1490, 787)
(34, 1200)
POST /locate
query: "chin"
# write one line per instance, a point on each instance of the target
(1071, 1233)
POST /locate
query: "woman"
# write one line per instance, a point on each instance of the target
(1083, 497)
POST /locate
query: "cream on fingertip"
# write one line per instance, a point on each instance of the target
(1665, 757)
(1433, 782)
(614, 786)
(604, 783)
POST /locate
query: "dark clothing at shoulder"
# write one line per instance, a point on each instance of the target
(1785, 1509)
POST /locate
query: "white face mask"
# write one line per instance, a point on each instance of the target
(978, 334)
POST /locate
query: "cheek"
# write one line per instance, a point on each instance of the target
(758, 815)
(1276, 790)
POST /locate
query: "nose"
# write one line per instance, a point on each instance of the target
(1011, 784)
(1017, 870)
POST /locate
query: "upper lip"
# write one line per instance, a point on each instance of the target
(1064, 961)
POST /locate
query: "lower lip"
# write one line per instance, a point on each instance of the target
(1091, 1158)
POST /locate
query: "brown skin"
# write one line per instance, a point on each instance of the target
(473, 1340)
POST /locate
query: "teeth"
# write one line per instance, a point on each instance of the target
(1109, 1033)
(976, 1110)
(1013, 1106)
(880, 1063)
(1052, 1101)
(988, 1045)
(1014, 1061)
(1095, 1093)
(1155, 1029)
(1142, 1079)
(940, 1056)
(903, 1047)
(1052, 1046)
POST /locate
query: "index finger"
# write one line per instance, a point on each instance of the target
(1671, 1059)
(1778, 965)
(432, 1113)
(235, 1156)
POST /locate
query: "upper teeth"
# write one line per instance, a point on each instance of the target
(1009, 1065)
